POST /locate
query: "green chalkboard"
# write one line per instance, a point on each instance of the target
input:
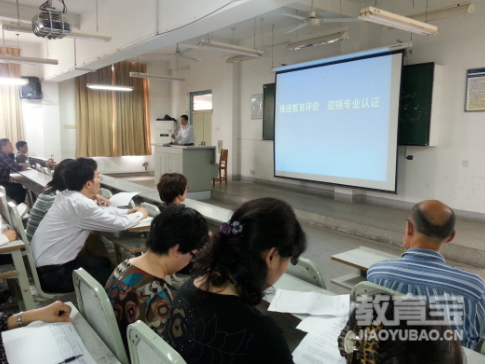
(269, 92)
(415, 104)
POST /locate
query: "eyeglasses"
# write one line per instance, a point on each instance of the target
(100, 176)
(187, 188)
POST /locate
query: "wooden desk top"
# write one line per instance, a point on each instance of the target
(362, 258)
(13, 245)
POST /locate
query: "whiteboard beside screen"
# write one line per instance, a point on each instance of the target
(337, 123)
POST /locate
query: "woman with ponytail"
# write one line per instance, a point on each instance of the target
(213, 318)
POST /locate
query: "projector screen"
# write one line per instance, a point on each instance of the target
(337, 123)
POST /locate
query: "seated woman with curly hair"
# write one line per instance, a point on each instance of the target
(213, 319)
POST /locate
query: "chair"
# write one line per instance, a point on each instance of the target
(147, 347)
(4, 206)
(105, 193)
(96, 308)
(38, 167)
(222, 167)
(307, 270)
(18, 225)
(151, 209)
(368, 288)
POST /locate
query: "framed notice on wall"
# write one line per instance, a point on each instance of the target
(257, 106)
(475, 90)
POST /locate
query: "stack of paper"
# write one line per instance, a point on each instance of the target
(45, 343)
(122, 199)
(312, 303)
(329, 315)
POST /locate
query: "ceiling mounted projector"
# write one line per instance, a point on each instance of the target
(50, 23)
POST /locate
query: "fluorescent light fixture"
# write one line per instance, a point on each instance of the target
(15, 81)
(392, 20)
(366, 53)
(237, 59)
(159, 77)
(77, 34)
(109, 87)
(326, 39)
(231, 48)
(447, 12)
(27, 60)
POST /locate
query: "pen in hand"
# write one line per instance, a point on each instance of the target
(72, 358)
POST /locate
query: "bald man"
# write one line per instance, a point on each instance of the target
(422, 269)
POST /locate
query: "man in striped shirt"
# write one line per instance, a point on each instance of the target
(422, 269)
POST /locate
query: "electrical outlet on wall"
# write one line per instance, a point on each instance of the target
(219, 145)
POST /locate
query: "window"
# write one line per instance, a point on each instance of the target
(201, 101)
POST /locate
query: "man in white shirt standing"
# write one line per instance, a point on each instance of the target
(185, 136)
(63, 231)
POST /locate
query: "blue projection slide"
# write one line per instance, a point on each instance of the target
(334, 120)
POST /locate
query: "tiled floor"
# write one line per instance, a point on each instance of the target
(323, 243)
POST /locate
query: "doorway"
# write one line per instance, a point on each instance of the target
(201, 116)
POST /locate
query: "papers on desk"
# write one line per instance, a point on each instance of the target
(145, 223)
(312, 303)
(43, 343)
(22, 209)
(320, 345)
(122, 199)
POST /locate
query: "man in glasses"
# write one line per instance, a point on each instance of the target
(62, 233)
(422, 269)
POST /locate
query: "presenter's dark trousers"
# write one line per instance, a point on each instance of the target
(16, 192)
(58, 278)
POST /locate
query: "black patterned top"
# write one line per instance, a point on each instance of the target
(211, 328)
(3, 327)
(137, 295)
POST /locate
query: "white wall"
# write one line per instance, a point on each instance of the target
(42, 123)
(48, 122)
(434, 172)
(223, 80)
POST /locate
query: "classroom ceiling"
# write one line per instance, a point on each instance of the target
(74, 7)
(255, 31)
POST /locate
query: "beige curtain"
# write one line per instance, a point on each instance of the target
(113, 123)
(11, 123)
(132, 111)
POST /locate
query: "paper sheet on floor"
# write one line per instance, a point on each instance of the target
(46, 343)
(312, 303)
(320, 346)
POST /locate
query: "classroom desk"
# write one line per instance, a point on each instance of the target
(96, 347)
(292, 283)
(213, 214)
(32, 179)
(128, 242)
(15, 249)
(472, 357)
(361, 258)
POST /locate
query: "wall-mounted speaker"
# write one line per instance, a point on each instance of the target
(31, 90)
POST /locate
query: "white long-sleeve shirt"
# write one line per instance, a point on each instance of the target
(65, 228)
(185, 135)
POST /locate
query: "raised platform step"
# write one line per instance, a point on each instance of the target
(378, 223)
